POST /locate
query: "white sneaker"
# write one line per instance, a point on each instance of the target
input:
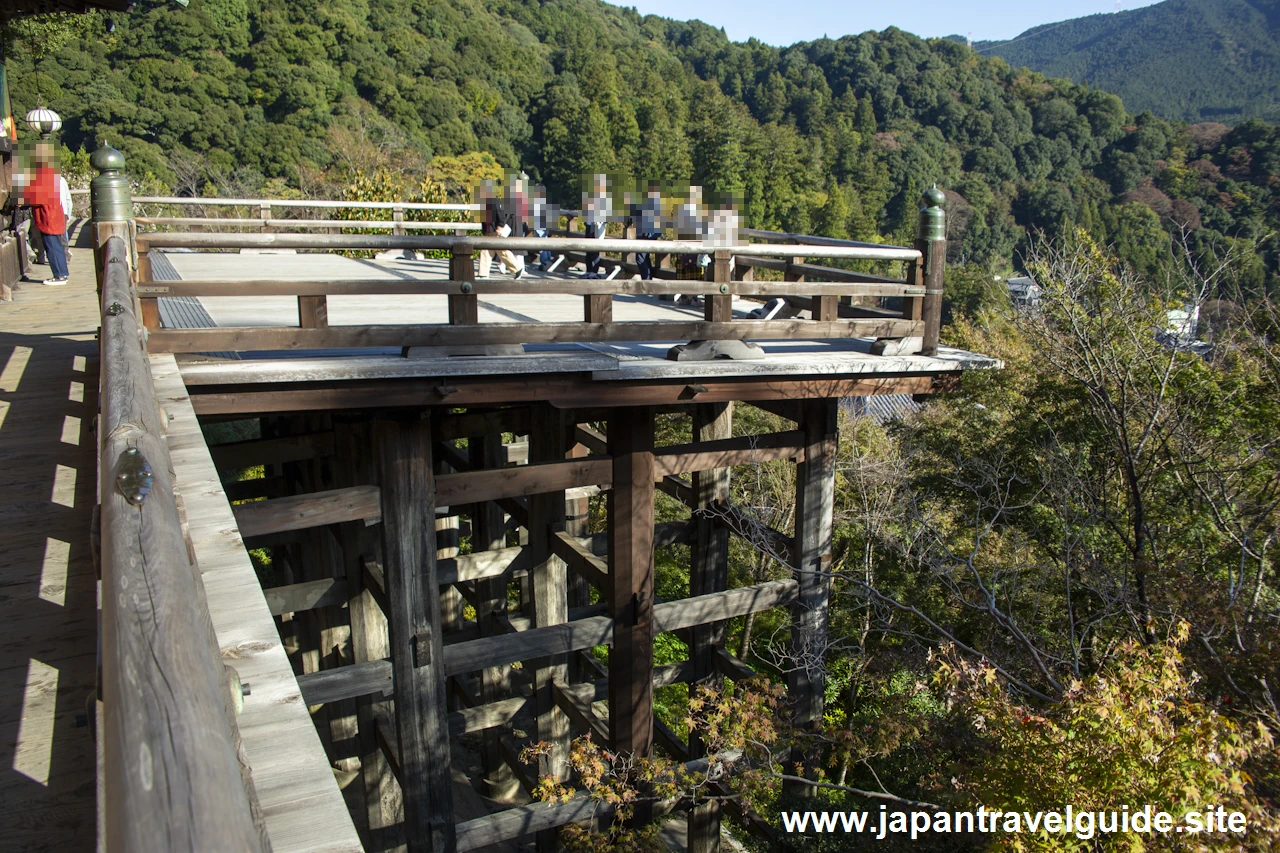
(55, 282)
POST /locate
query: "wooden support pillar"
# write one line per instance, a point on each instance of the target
(464, 308)
(815, 491)
(403, 449)
(383, 806)
(630, 597)
(488, 533)
(550, 601)
(709, 573)
(718, 308)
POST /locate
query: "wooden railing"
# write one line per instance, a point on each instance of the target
(920, 295)
(266, 223)
(171, 776)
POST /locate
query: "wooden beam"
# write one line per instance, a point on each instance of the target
(727, 452)
(347, 682)
(256, 338)
(403, 449)
(580, 713)
(305, 511)
(579, 558)
(733, 668)
(311, 595)
(756, 533)
(294, 448)
(718, 606)
(561, 391)
(533, 479)
(480, 423)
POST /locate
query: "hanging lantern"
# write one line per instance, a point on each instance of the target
(44, 121)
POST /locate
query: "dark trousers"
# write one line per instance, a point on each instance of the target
(56, 251)
(644, 260)
(593, 258)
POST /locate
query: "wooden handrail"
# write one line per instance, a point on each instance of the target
(516, 244)
(307, 223)
(172, 780)
(315, 203)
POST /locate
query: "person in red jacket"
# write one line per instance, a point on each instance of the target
(40, 192)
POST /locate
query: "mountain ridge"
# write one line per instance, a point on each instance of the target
(1226, 66)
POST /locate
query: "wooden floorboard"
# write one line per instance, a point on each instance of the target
(302, 804)
(48, 588)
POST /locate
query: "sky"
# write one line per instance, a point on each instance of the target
(783, 22)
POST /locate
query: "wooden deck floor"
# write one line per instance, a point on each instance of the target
(48, 590)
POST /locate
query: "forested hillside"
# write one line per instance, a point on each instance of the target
(1196, 60)
(834, 136)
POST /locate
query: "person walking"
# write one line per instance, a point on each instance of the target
(649, 228)
(539, 216)
(495, 225)
(597, 208)
(40, 193)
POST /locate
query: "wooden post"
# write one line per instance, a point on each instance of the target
(791, 274)
(815, 494)
(383, 805)
(150, 305)
(630, 597)
(403, 448)
(488, 533)
(264, 213)
(550, 599)
(464, 308)
(709, 573)
(932, 244)
(597, 308)
(397, 215)
(718, 308)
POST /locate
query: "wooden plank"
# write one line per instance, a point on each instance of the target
(311, 595)
(294, 448)
(403, 449)
(375, 583)
(536, 478)
(630, 594)
(255, 338)
(305, 511)
(727, 452)
(347, 682)
(171, 773)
